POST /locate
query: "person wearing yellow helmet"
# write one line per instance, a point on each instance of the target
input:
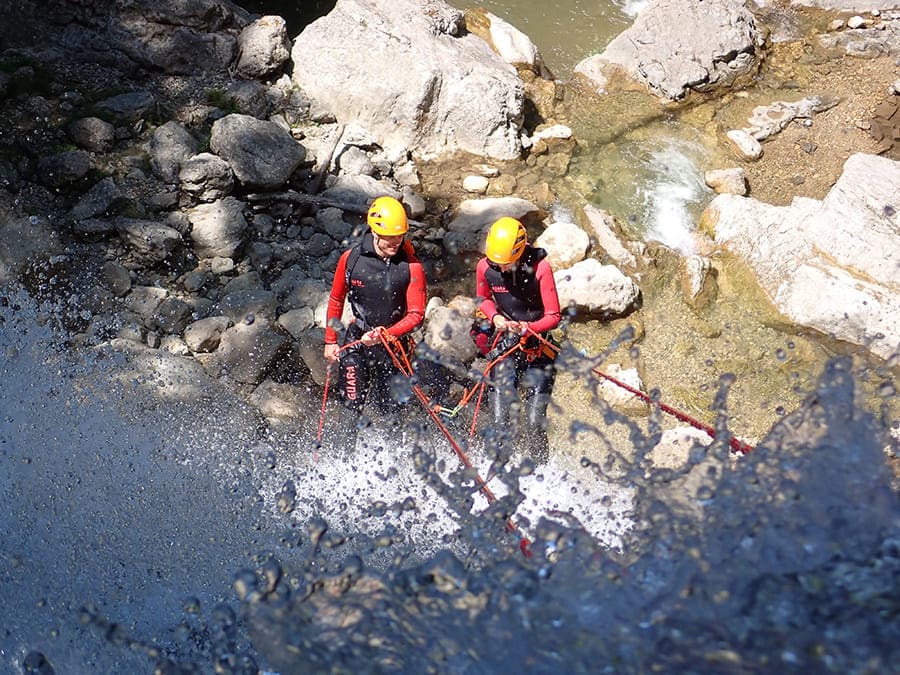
(516, 290)
(384, 282)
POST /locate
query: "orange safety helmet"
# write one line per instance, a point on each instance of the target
(506, 241)
(387, 217)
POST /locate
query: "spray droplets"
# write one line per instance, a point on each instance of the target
(287, 497)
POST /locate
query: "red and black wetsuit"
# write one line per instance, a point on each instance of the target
(526, 292)
(382, 292)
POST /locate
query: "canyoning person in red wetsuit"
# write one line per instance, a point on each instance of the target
(517, 294)
(384, 282)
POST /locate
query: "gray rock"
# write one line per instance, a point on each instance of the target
(355, 162)
(142, 301)
(447, 331)
(129, 107)
(169, 146)
(92, 228)
(744, 145)
(285, 402)
(359, 190)
(829, 265)
(217, 229)
(172, 316)
(320, 244)
(303, 293)
(259, 254)
(767, 120)
(204, 335)
(727, 181)
(251, 281)
(178, 37)
(607, 232)
(152, 242)
(514, 46)
(97, 201)
(206, 177)
(63, 169)
(675, 46)
(163, 201)
(473, 217)
(92, 133)
(422, 83)
(332, 221)
(246, 306)
(262, 154)
(297, 321)
(698, 282)
(249, 98)
(263, 47)
(565, 243)
(116, 278)
(595, 289)
(247, 352)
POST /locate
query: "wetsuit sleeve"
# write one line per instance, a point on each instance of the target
(415, 300)
(549, 297)
(483, 291)
(336, 299)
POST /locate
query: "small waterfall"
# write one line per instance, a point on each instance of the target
(672, 194)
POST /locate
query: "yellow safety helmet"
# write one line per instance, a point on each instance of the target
(387, 217)
(506, 241)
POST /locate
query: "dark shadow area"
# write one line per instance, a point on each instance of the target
(298, 15)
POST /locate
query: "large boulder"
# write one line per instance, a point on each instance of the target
(177, 37)
(675, 46)
(832, 265)
(217, 229)
(263, 47)
(412, 76)
(473, 218)
(262, 154)
(596, 290)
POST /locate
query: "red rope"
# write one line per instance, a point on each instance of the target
(393, 346)
(736, 444)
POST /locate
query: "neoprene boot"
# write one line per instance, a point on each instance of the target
(534, 434)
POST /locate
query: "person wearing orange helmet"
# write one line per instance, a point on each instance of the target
(384, 282)
(517, 295)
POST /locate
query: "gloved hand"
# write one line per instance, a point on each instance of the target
(372, 337)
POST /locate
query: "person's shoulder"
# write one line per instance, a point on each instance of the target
(409, 251)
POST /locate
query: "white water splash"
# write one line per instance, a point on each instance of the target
(633, 7)
(342, 487)
(672, 194)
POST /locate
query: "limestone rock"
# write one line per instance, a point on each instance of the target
(262, 154)
(595, 289)
(661, 49)
(421, 83)
(832, 265)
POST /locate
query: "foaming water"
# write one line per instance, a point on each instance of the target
(385, 480)
(672, 194)
(652, 180)
(633, 7)
(782, 561)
